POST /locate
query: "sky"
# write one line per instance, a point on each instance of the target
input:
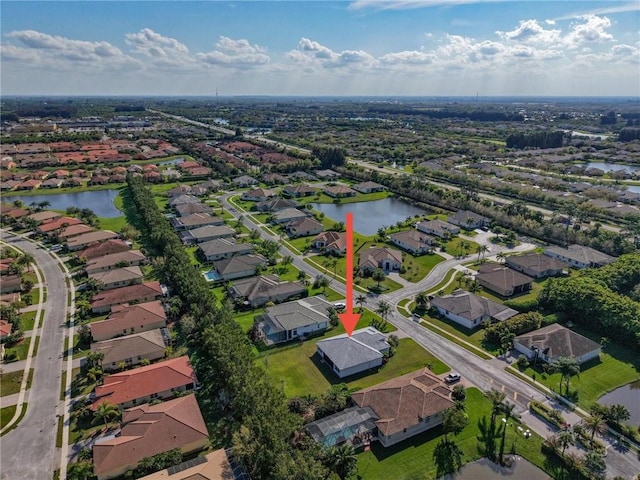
(313, 48)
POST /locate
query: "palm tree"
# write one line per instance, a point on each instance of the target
(337, 397)
(383, 309)
(481, 250)
(285, 262)
(501, 257)
(360, 299)
(618, 413)
(94, 374)
(422, 299)
(565, 440)
(44, 204)
(106, 412)
(378, 276)
(567, 367)
(80, 470)
(26, 259)
(595, 424)
(342, 460)
(507, 410)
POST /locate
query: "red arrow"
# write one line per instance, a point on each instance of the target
(348, 318)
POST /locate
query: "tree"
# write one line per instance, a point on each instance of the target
(342, 460)
(564, 440)
(453, 421)
(94, 359)
(336, 398)
(491, 434)
(567, 367)
(595, 424)
(507, 411)
(501, 257)
(378, 276)
(422, 300)
(617, 413)
(106, 412)
(84, 335)
(82, 470)
(94, 374)
(448, 457)
(488, 436)
(594, 462)
(360, 299)
(285, 262)
(321, 282)
(383, 309)
(481, 250)
(26, 259)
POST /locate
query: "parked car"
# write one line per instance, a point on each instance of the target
(339, 306)
(453, 377)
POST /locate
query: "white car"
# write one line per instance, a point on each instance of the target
(453, 377)
(339, 306)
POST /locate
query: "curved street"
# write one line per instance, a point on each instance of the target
(28, 452)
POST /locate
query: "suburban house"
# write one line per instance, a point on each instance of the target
(354, 425)
(145, 292)
(71, 231)
(553, 341)
(438, 228)
(579, 256)
(239, 266)
(406, 405)
(347, 355)
(257, 291)
(206, 233)
(468, 220)
(57, 224)
(294, 320)
(368, 187)
(339, 191)
(128, 319)
(105, 248)
(413, 241)
(223, 248)
(131, 349)
(331, 242)
(327, 174)
(388, 259)
(287, 215)
(127, 258)
(44, 216)
(10, 283)
(118, 277)
(148, 430)
(217, 465)
(304, 227)
(537, 265)
(470, 310)
(5, 329)
(132, 387)
(194, 220)
(503, 280)
(302, 190)
(184, 199)
(274, 178)
(191, 208)
(257, 194)
(85, 240)
(244, 181)
(275, 205)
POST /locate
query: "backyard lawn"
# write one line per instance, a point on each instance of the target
(10, 382)
(416, 268)
(298, 370)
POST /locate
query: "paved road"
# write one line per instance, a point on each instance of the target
(28, 452)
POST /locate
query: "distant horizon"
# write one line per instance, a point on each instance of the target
(343, 48)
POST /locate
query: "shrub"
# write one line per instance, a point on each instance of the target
(522, 323)
(522, 362)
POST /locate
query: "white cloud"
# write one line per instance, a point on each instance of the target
(238, 53)
(409, 57)
(530, 31)
(592, 30)
(315, 54)
(152, 44)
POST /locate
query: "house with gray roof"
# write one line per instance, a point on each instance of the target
(553, 341)
(503, 280)
(387, 259)
(128, 258)
(579, 256)
(194, 220)
(302, 190)
(182, 199)
(275, 204)
(118, 277)
(438, 228)
(294, 320)
(470, 310)
(413, 241)
(368, 187)
(304, 227)
(238, 266)
(256, 291)
(185, 209)
(220, 248)
(347, 355)
(537, 265)
(131, 349)
(244, 181)
(206, 233)
(468, 220)
(287, 215)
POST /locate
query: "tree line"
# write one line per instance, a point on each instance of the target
(242, 407)
(538, 139)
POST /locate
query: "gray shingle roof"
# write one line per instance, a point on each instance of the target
(299, 313)
(561, 341)
(222, 246)
(470, 306)
(364, 345)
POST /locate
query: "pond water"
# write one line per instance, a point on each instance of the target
(612, 167)
(100, 201)
(484, 469)
(175, 161)
(369, 216)
(627, 395)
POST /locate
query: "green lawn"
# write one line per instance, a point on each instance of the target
(617, 366)
(456, 339)
(6, 414)
(413, 458)
(416, 268)
(245, 320)
(298, 370)
(474, 336)
(20, 350)
(329, 294)
(114, 224)
(454, 247)
(10, 382)
(28, 320)
(79, 383)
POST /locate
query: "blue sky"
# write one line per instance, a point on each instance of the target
(358, 47)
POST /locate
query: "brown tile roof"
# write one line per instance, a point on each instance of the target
(215, 467)
(123, 317)
(104, 248)
(536, 262)
(403, 401)
(87, 238)
(117, 275)
(561, 341)
(57, 223)
(44, 216)
(143, 345)
(132, 293)
(112, 259)
(148, 430)
(502, 278)
(141, 382)
(74, 230)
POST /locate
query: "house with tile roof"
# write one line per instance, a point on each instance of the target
(130, 349)
(554, 341)
(438, 228)
(185, 209)
(10, 283)
(118, 277)
(71, 231)
(275, 205)
(470, 310)
(195, 220)
(5, 329)
(257, 194)
(294, 320)
(57, 224)
(85, 240)
(302, 190)
(44, 216)
(287, 215)
(244, 181)
(388, 259)
(303, 227)
(580, 256)
(105, 248)
(144, 384)
(368, 187)
(468, 220)
(206, 234)
(258, 291)
(217, 465)
(503, 280)
(102, 302)
(334, 243)
(128, 319)
(220, 248)
(339, 191)
(238, 266)
(537, 265)
(148, 430)
(129, 258)
(406, 405)
(347, 355)
(413, 241)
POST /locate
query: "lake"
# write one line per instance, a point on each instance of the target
(484, 469)
(627, 395)
(369, 216)
(100, 201)
(612, 167)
